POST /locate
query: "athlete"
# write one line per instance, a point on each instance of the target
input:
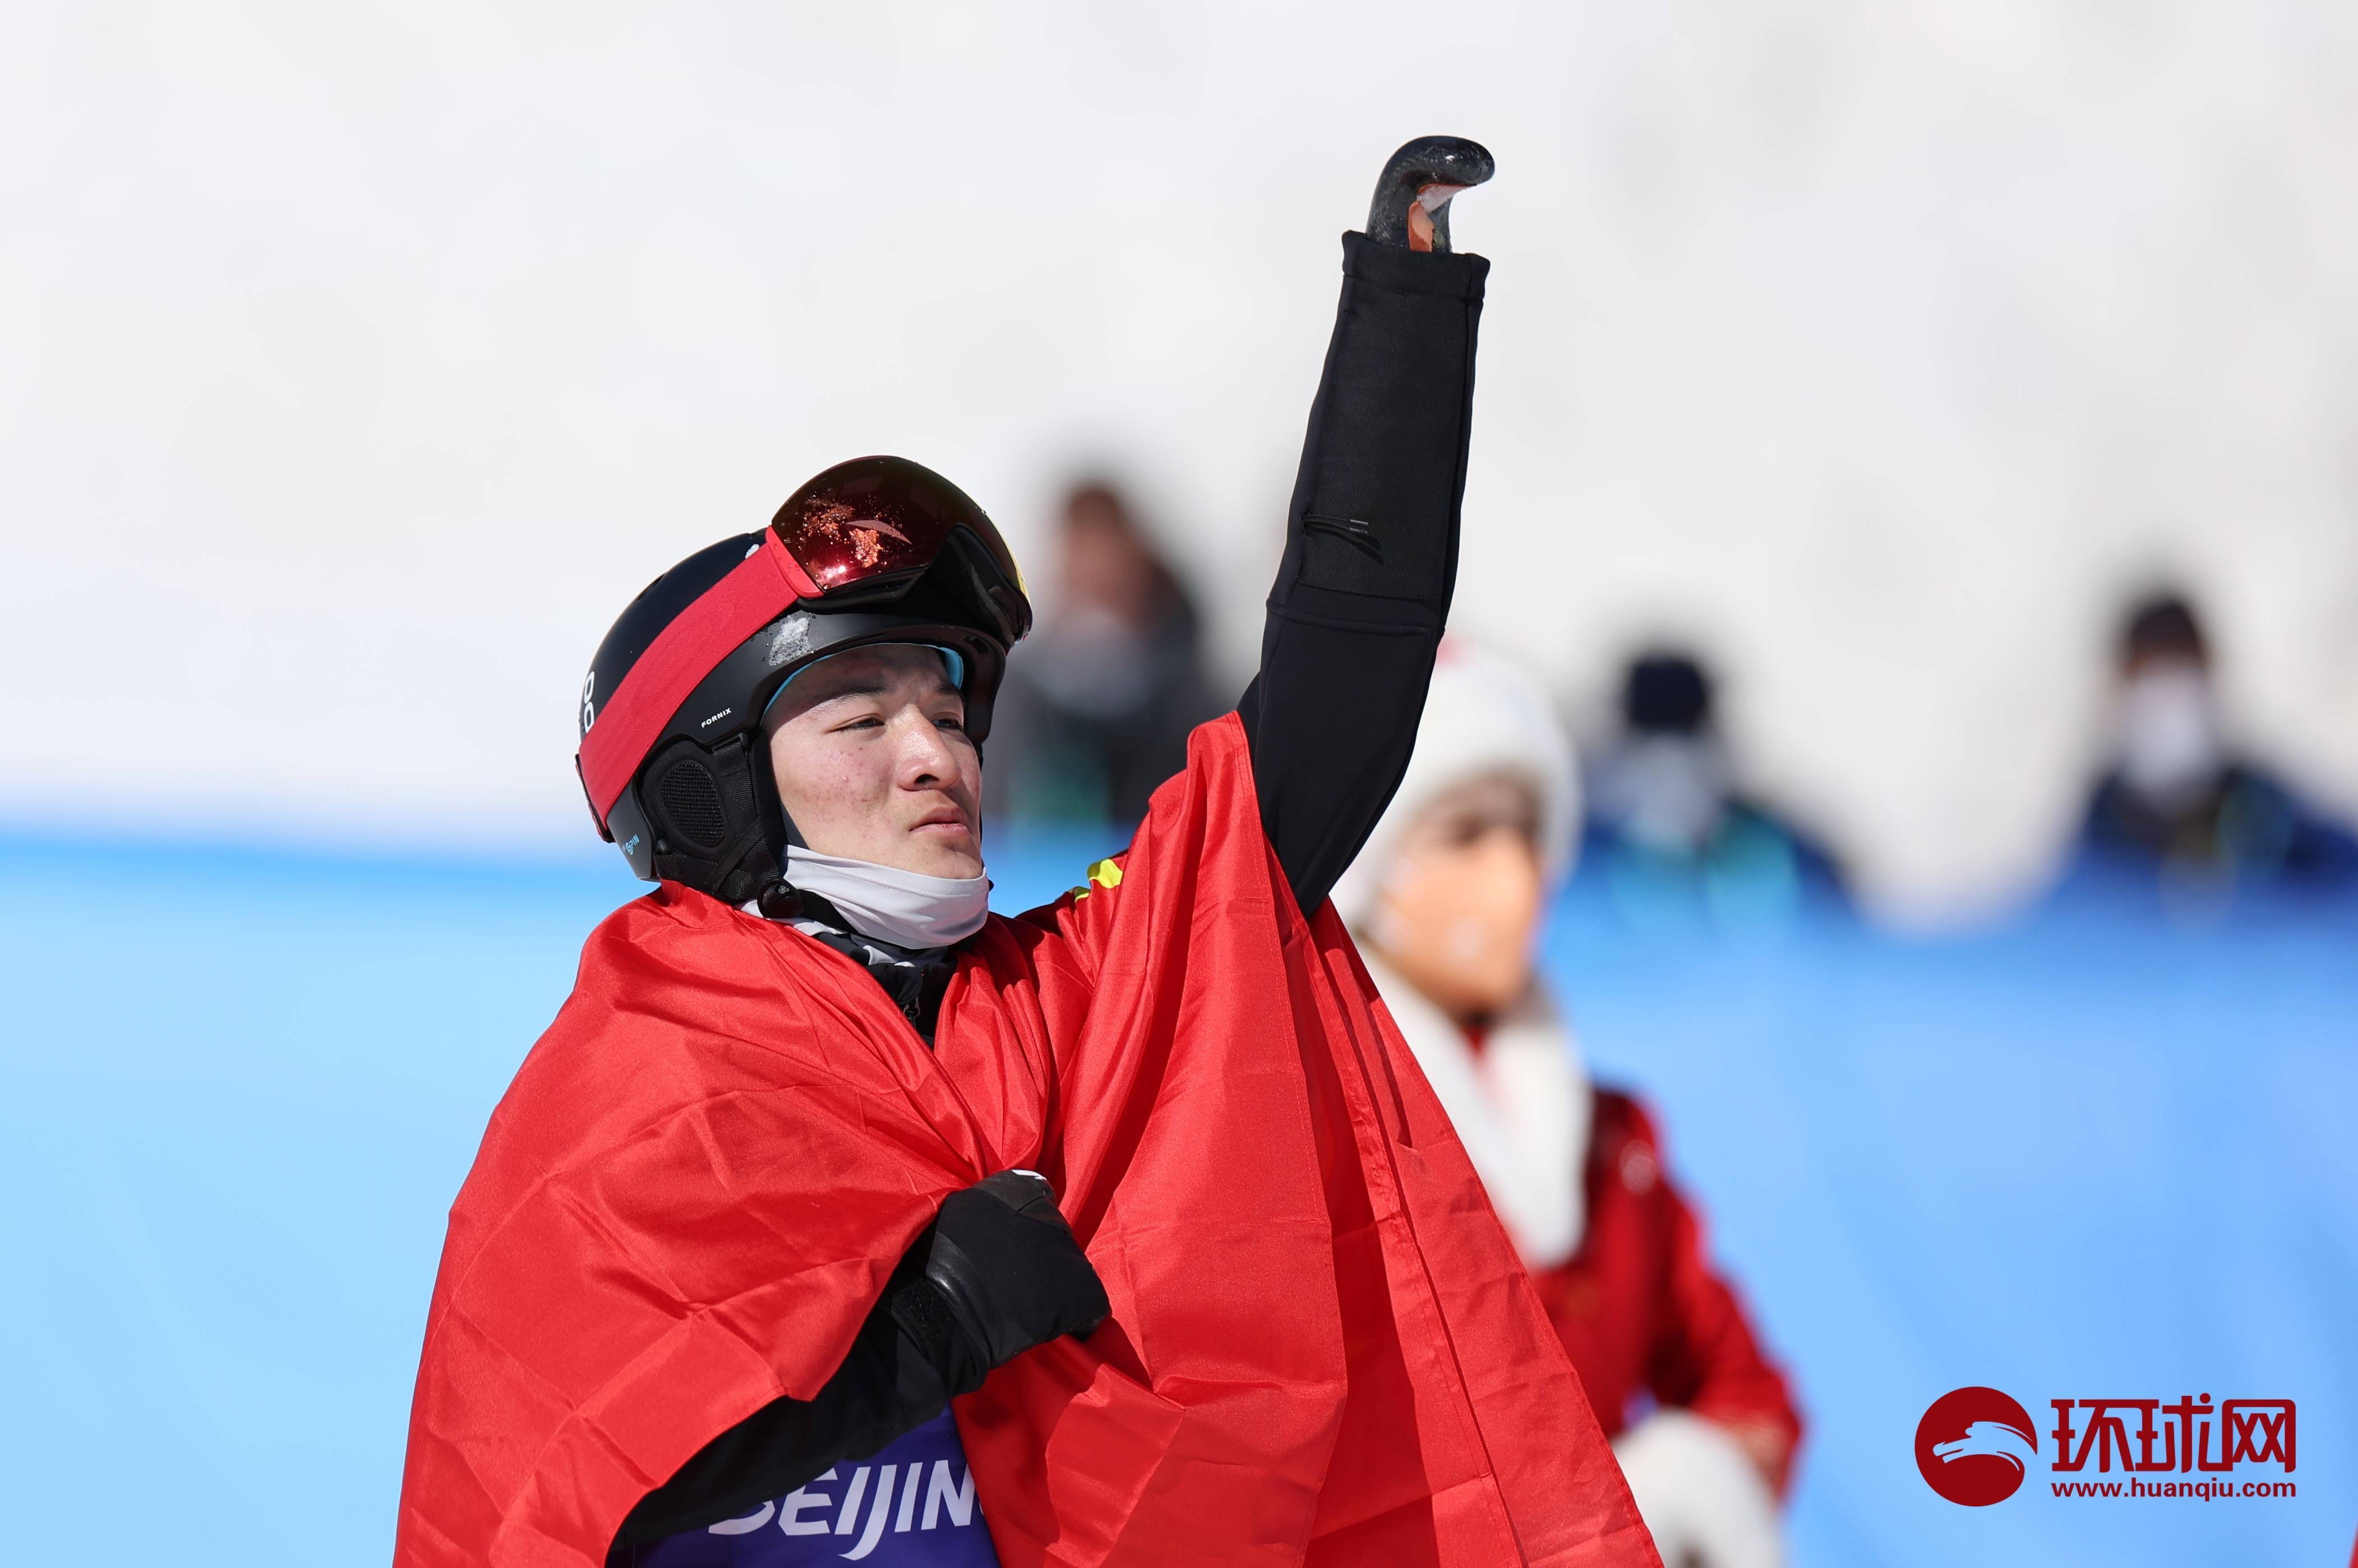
(1447, 899)
(1139, 1184)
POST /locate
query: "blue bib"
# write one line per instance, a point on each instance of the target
(911, 1506)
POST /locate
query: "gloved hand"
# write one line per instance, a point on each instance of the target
(1412, 204)
(1702, 1496)
(999, 1273)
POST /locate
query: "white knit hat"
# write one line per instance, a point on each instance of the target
(1484, 715)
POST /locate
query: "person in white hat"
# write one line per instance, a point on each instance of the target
(1446, 900)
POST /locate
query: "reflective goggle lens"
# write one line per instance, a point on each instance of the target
(879, 517)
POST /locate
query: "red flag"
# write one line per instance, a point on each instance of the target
(1322, 1349)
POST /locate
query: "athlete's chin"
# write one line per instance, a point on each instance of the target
(945, 849)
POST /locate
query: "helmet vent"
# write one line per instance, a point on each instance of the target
(691, 802)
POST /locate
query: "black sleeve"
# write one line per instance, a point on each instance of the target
(997, 1272)
(1371, 558)
(890, 1383)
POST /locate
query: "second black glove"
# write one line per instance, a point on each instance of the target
(1001, 1273)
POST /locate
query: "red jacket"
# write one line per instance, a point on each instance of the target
(1323, 1349)
(1641, 1311)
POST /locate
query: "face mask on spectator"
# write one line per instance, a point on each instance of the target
(2170, 752)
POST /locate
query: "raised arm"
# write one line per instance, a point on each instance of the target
(1371, 535)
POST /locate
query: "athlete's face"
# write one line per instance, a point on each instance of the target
(1459, 910)
(873, 760)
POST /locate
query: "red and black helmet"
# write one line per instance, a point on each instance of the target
(874, 550)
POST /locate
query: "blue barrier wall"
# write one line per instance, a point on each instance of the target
(2097, 1153)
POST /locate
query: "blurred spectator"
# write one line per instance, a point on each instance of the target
(1446, 900)
(2175, 801)
(1098, 702)
(1668, 825)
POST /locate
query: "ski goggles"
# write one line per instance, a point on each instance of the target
(864, 530)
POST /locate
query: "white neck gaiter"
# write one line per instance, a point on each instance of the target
(907, 909)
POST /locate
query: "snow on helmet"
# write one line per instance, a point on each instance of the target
(874, 550)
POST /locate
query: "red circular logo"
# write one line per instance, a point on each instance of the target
(1974, 1446)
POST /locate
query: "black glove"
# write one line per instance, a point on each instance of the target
(1424, 174)
(1001, 1273)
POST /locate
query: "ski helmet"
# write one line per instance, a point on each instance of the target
(672, 759)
